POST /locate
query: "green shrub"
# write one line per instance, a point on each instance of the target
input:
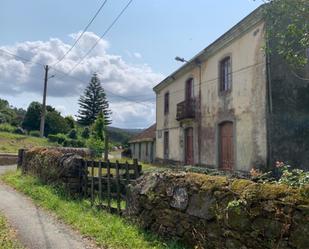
(77, 143)
(72, 134)
(58, 138)
(7, 127)
(292, 177)
(86, 133)
(20, 131)
(35, 133)
(95, 145)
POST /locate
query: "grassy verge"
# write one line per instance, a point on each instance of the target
(106, 229)
(10, 142)
(7, 238)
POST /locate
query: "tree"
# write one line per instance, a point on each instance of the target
(55, 123)
(99, 127)
(70, 121)
(85, 133)
(9, 114)
(92, 102)
(288, 30)
(32, 117)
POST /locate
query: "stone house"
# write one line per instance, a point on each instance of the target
(233, 107)
(143, 145)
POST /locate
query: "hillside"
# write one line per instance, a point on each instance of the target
(10, 143)
(121, 136)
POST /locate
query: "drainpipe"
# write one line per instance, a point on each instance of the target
(269, 109)
(199, 138)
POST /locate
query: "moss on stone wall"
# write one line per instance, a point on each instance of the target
(219, 212)
(56, 165)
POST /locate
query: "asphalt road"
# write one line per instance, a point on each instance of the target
(35, 228)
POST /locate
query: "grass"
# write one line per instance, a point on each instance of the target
(106, 229)
(10, 142)
(7, 237)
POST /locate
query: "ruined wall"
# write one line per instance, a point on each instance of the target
(215, 212)
(288, 114)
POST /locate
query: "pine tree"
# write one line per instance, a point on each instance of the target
(92, 102)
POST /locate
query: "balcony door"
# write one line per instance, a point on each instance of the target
(226, 146)
(189, 89)
(189, 146)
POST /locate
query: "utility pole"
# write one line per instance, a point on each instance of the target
(42, 125)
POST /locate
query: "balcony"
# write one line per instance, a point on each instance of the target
(186, 110)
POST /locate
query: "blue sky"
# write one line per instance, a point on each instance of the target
(146, 39)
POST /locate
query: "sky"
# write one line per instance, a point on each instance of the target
(134, 56)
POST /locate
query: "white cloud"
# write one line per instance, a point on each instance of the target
(137, 55)
(117, 76)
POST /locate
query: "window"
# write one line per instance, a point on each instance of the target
(189, 89)
(166, 103)
(225, 74)
(166, 145)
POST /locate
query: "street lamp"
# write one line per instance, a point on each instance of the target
(177, 58)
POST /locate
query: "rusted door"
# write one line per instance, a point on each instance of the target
(226, 148)
(189, 146)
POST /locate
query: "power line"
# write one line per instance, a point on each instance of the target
(77, 79)
(211, 81)
(80, 36)
(22, 58)
(101, 37)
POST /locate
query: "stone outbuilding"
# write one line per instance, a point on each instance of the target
(143, 145)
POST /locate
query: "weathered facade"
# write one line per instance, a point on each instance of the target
(143, 145)
(215, 109)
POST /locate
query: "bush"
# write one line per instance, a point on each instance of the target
(58, 138)
(7, 127)
(73, 143)
(34, 133)
(95, 145)
(73, 134)
(86, 133)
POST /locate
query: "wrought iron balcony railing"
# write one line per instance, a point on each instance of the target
(186, 110)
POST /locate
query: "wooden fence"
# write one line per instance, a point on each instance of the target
(105, 183)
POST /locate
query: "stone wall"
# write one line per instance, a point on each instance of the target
(217, 212)
(56, 166)
(8, 159)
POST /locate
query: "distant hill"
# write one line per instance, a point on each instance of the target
(121, 136)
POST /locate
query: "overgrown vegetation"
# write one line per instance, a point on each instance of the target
(288, 30)
(7, 238)
(284, 174)
(106, 229)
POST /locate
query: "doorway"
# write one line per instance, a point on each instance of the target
(226, 146)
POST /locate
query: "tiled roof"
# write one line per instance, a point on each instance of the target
(147, 135)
